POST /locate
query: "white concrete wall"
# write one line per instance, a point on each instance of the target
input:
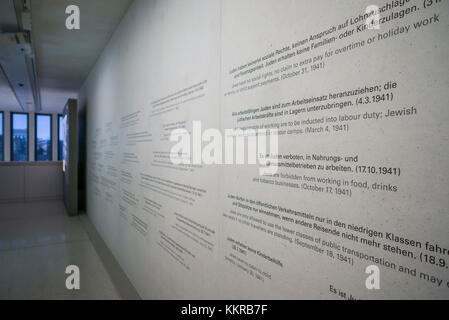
(225, 231)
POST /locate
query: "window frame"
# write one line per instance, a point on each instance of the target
(12, 135)
(35, 136)
(2, 159)
(59, 129)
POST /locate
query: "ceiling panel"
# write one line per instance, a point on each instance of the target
(65, 57)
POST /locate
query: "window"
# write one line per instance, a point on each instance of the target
(1, 138)
(60, 136)
(19, 137)
(43, 137)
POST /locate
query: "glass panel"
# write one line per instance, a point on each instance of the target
(19, 137)
(60, 137)
(1, 136)
(43, 137)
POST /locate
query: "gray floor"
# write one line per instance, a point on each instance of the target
(38, 241)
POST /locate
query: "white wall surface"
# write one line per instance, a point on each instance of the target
(28, 181)
(311, 230)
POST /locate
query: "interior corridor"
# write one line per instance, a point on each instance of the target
(38, 240)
